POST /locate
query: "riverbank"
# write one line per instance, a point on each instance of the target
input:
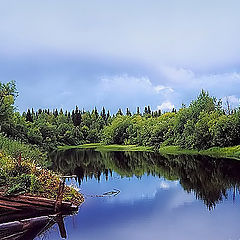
(216, 152)
(23, 177)
(23, 172)
(109, 148)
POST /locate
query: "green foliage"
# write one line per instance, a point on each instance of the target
(117, 133)
(218, 152)
(13, 148)
(201, 125)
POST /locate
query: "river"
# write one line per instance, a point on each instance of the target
(146, 196)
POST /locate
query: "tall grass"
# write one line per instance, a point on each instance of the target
(14, 148)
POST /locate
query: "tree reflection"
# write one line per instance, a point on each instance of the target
(209, 179)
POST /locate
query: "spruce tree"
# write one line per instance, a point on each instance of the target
(103, 114)
(108, 115)
(138, 111)
(145, 110)
(149, 110)
(29, 116)
(119, 112)
(128, 113)
(55, 113)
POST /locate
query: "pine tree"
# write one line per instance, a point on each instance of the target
(149, 110)
(39, 111)
(108, 115)
(128, 113)
(77, 119)
(119, 112)
(96, 112)
(103, 114)
(33, 114)
(138, 111)
(73, 116)
(29, 116)
(55, 113)
(145, 110)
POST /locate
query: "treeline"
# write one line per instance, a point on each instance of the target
(203, 124)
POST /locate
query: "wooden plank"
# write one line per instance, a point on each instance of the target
(24, 201)
(18, 229)
(8, 208)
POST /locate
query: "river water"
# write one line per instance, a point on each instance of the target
(146, 196)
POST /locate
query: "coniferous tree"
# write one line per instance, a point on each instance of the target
(145, 110)
(33, 114)
(96, 112)
(138, 111)
(149, 110)
(39, 111)
(103, 114)
(119, 112)
(128, 113)
(29, 116)
(108, 115)
(77, 118)
(69, 115)
(55, 113)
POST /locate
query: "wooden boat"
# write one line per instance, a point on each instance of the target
(28, 229)
(24, 217)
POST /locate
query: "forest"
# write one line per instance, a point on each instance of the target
(205, 123)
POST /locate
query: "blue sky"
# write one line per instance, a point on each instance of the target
(120, 53)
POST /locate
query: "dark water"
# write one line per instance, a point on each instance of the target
(161, 197)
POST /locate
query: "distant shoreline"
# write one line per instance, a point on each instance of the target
(216, 152)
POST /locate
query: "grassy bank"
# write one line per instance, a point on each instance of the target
(227, 152)
(108, 148)
(27, 174)
(14, 148)
(217, 152)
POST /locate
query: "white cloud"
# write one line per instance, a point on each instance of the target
(188, 84)
(126, 83)
(160, 88)
(131, 91)
(166, 106)
(177, 74)
(167, 184)
(232, 100)
(191, 79)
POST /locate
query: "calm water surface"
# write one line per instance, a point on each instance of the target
(161, 197)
